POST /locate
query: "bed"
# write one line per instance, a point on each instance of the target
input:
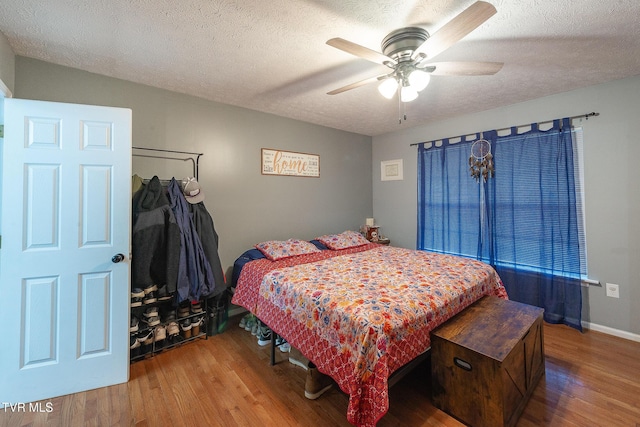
(361, 311)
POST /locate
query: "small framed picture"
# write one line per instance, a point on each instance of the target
(391, 170)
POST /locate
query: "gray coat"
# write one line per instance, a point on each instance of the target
(209, 238)
(155, 245)
(195, 278)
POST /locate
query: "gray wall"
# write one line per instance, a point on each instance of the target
(612, 173)
(7, 63)
(247, 207)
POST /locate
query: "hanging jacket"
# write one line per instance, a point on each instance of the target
(195, 277)
(155, 242)
(209, 238)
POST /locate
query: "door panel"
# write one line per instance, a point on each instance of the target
(66, 179)
(42, 222)
(40, 300)
(43, 133)
(96, 210)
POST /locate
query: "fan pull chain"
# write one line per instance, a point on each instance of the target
(400, 108)
(402, 115)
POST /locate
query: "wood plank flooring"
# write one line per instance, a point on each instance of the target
(592, 379)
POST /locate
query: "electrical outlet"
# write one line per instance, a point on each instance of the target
(613, 290)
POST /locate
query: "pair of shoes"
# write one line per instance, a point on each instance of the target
(174, 338)
(316, 383)
(255, 327)
(168, 316)
(244, 320)
(173, 329)
(185, 326)
(298, 359)
(150, 316)
(151, 311)
(133, 326)
(282, 344)
(134, 347)
(145, 338)
(137, 295)
(285, 347)
(183, 312)
(196, 308)
(195, 326)
(163, 294)
(150, 294)
(159, 334)
(250, 323)
(264, 334)
(173, 332)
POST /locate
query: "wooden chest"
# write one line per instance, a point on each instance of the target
(486, 362)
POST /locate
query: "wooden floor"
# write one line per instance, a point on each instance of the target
(592, 379)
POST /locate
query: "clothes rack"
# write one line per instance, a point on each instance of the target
(171, 155)
(161, 320)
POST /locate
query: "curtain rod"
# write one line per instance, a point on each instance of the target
(582, 116)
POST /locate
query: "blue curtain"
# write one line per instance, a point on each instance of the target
(524, 221)
(448, 200)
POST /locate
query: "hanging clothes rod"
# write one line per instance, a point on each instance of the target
(582, 116)
(193, 157)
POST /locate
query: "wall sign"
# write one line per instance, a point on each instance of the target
(278, 162)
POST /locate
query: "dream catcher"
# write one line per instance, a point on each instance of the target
(481, 160)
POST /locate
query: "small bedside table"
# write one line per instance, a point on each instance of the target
(384, 241)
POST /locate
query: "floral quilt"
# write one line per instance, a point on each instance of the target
(361, 313)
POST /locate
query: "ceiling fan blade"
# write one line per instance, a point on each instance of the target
(454, 30)
(358, 84)
(360, 51)
(465, 68)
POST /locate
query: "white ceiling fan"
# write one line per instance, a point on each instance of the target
(407, 51)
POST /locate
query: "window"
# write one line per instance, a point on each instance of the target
(527, 221)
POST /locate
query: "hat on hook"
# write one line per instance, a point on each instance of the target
(192, 191)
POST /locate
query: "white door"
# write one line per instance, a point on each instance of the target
(64, 303)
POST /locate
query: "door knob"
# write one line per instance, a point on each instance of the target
(117, 258)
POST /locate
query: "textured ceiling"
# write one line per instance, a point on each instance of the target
(271, 56)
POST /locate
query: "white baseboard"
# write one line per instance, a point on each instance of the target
(611, 331)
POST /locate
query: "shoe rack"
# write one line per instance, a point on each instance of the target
(158, 325)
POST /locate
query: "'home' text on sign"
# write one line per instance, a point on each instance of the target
(277, 162)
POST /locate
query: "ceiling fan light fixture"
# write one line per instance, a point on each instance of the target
(388, 88)
(419, 80)
(406, 50)
(408, 94)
